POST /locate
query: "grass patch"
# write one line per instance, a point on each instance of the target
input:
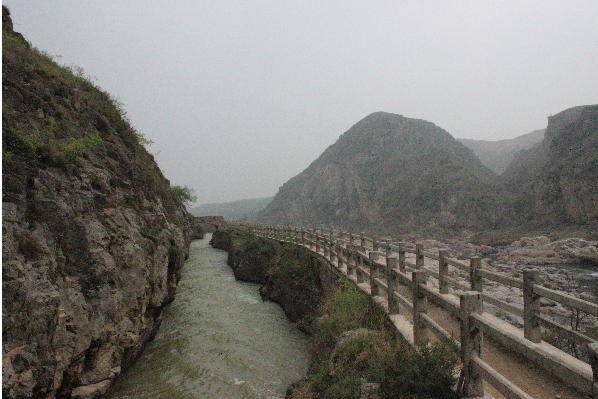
(354, 343)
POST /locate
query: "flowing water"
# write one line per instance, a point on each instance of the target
(218, 340)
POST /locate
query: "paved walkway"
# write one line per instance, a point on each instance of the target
(534, 381)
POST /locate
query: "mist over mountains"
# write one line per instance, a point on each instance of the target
(497, 155)
(395, 174)
(235, 210)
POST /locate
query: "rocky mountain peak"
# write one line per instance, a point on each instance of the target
(392, 173)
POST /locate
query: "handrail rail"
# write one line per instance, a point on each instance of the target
(369, 269)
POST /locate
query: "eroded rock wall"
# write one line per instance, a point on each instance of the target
(92, 239)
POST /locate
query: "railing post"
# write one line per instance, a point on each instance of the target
(471, 344)
(361, 241)
(443, 268)
(375, 243)
(339, 253)
(374, 272)
(419, 256)
(391, 281)
(350, 261)
(475, 264)
(326, 244)
(593, 353)
(333, 253)
(359, 266)
(351, 239)
(420, 305)
(531, 307)
(318, 244)
(402, 257)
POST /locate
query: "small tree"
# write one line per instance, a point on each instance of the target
(184, 194)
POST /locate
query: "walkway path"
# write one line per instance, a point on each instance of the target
(532, 380)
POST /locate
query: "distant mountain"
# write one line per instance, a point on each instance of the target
(236, 210)
(395, 174)
(557, 179)
(497, 155)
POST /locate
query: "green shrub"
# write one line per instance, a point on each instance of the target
(183, 194)
(405, 373)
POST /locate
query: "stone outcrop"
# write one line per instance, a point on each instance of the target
(541, 251)
(393, 175)
(93, 238)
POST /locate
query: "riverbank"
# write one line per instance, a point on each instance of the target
(217, 340)
(354, 349)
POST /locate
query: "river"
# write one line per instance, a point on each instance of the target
(218, 340)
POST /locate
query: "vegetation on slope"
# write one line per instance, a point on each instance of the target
(56, 117)
(355, 347)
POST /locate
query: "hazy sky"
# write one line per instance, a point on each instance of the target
(240, 96)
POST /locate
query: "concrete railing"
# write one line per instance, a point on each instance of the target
(362, 260)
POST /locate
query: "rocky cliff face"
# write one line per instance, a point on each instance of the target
(92, 236)
(394, 174)
(567, 187)
(557, 179)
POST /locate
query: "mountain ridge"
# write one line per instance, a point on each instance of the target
(391, 174)
(354, 180)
